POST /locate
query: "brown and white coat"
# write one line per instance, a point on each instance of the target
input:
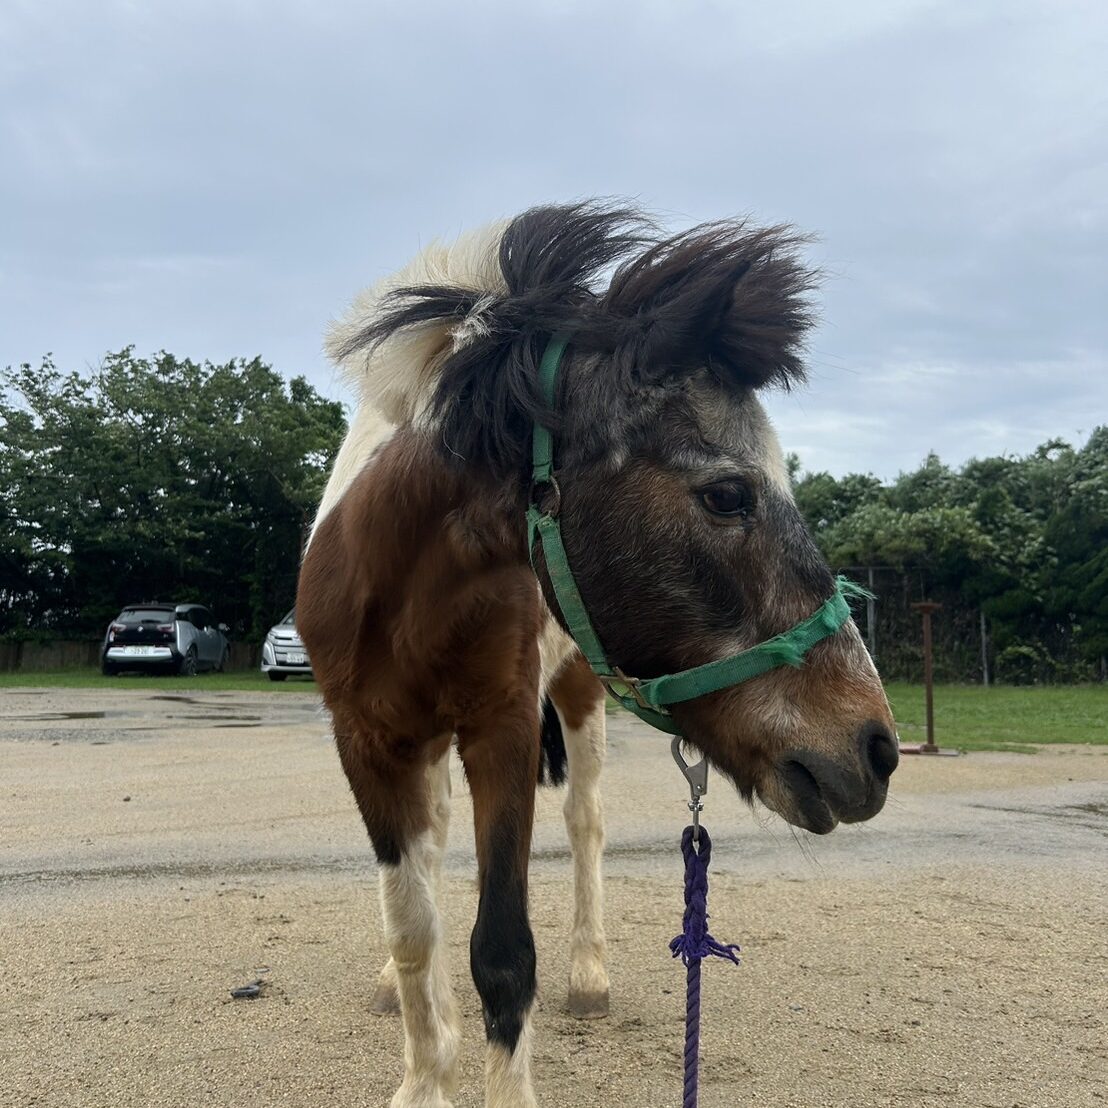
(429, 628)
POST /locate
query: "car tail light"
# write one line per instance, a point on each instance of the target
(116, 628)
(166, 628)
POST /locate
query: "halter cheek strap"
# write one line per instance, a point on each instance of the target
(649, 699)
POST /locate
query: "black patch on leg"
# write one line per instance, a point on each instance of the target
(364, 777)
(552, 764)
(385, 844)
(502, 948)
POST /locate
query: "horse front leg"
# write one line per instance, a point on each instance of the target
(401, 810)
(386, 997)
(579, 700)
(501, 765)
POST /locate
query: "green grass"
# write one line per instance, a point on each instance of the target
(245, 681)
(968, 717)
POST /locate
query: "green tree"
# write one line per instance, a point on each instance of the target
(1076, 588)
(825, 500)
(1022, 539)
(156, 478)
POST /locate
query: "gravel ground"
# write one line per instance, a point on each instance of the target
(157, 850)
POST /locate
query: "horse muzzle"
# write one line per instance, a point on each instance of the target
(817, 792)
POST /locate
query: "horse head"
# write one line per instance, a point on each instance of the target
(673, 497)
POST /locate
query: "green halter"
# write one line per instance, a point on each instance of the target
(649, 699)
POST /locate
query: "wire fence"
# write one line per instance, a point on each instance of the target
(965, 648)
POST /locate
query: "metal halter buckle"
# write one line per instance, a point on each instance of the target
(628, 686)
(539, 491)
(697, 777)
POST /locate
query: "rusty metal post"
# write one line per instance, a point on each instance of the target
(984, 652)
(926, 608)
(871, 618)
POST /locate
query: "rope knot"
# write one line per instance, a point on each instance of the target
(695, 943)
(692, 946)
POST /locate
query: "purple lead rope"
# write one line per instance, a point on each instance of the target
(693, 945)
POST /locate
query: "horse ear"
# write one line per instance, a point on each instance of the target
(726, 295)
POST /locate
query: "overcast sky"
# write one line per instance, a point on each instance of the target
(219, 178)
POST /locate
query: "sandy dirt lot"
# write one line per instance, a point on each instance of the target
(156, 851)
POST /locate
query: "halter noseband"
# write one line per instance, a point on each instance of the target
(649, 699)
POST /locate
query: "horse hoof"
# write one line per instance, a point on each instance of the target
(589, 1006)
(386, 1001)
(423, 1098)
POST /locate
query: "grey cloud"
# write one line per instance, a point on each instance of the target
(220, 178)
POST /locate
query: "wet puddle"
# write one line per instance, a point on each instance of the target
(47, 717)
(360, 863)
(1089, 809)
(217, 718)
(1091, 816)
(635, 852)
(193, 713)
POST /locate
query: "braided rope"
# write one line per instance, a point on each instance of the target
(692, 1035)
(693, 945)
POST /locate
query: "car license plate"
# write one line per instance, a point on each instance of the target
(296, 659)
(138, 651)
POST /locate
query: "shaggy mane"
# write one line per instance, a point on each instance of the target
(726, 294)
(459, 349)
(454, 339)
(394, 372)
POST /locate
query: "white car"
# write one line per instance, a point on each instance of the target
(283, 652)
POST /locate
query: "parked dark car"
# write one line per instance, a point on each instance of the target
(181, 638)
(283, 652)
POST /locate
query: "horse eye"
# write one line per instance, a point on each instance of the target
(730, 499)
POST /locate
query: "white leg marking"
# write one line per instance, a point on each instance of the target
(555, 649)
(588, 979)
(386, 997)
(508, 1076)
(413, 930)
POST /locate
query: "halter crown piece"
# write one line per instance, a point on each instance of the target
(650, 698)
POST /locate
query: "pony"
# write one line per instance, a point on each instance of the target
(429, 626)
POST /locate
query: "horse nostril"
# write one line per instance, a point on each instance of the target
(879, 750)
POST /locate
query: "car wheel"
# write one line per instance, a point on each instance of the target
(108, 670)
(277, 676)
(186, 667)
